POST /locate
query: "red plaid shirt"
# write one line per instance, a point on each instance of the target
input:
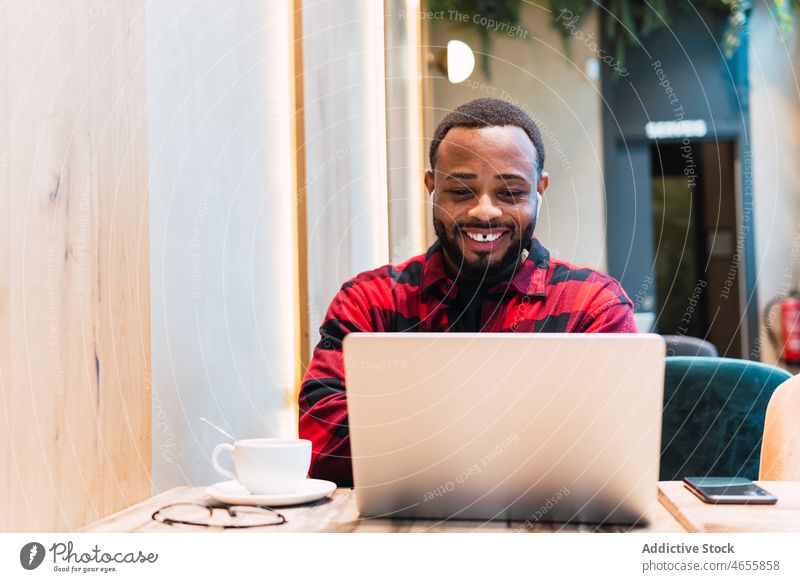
(545, 295)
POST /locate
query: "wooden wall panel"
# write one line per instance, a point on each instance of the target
(74, 301)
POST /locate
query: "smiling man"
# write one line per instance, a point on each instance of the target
(486, 272)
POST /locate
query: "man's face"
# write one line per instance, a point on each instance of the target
(484, 199)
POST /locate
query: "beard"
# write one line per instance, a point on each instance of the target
(487, 267)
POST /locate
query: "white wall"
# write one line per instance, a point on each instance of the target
(775, 130)
(221, 228)
(536, 74)
(404, 130)
(345, 121)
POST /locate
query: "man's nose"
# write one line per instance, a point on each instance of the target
(485, 209)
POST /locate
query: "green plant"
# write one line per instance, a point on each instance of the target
(627, 22)
(505, 11)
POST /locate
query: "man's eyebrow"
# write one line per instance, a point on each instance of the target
(471, 176)
(508, 177)
(461, 176)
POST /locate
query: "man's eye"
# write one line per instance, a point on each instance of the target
(512, 194)
(461, 192)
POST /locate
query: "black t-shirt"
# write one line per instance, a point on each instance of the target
(465, 310)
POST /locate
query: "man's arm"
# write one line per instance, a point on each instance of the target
(616, 318)
(610, 311)
(323, 403)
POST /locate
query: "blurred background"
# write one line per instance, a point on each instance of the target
(185, 185)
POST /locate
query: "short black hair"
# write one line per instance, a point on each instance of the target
(488, 112)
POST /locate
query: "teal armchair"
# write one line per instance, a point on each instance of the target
(713, 419)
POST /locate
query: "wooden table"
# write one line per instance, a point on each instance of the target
(679, 510)
(697, 516)
(339, 514)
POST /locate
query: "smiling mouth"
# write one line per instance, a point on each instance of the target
(486, 237)
(483, 239)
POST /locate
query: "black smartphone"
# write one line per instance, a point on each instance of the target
(729, 490)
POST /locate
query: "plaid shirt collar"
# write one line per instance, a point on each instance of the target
(530, 278)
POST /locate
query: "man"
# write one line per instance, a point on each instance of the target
(485, 273)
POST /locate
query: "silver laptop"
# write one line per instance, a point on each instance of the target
(527, 427)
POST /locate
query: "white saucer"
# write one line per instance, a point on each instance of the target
(234, 493)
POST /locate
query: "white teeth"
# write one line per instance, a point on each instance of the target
(483, 237)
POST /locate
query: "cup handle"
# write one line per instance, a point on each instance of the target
(220, 469)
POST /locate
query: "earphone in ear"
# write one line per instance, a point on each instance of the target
(538, 204)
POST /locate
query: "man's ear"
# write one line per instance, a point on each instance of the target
(544, 181)
(430, 183)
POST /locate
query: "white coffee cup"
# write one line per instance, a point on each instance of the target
(267, 466)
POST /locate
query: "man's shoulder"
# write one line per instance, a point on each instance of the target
(602, 288)
(408, 273)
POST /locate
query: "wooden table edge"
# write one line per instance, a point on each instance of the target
(155, 501)
(674, 510)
